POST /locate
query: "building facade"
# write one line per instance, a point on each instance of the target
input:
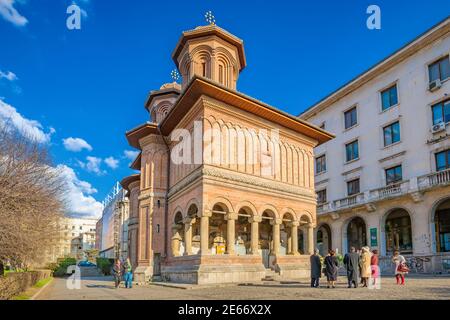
(113, 241)
(226, 185)
(77, 236)
(384, 181)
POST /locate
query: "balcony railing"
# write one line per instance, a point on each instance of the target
(322, 207)
(434, 179)
(392, 190)
(349, 201)
(413, 186)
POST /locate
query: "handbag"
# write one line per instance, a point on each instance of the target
(402, 267)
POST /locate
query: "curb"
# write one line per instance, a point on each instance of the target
(42, 289)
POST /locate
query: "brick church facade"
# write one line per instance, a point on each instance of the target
(225, 190)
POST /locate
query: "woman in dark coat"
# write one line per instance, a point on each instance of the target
(316, 269)
(331, 268)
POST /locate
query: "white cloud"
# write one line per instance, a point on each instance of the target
(79, 199)
(93, 165)
(76, 144)
(112, 163)
(8, 75)
(9, 13)
(131, 154)
(30, 129)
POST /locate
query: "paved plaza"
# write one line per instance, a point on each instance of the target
(424, 287)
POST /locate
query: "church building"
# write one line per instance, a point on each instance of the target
(225, 190)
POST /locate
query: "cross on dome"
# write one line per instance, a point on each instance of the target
(210, 18)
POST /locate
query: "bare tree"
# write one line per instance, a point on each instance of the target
(31, 199)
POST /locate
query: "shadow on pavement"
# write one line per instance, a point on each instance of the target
(102, 286)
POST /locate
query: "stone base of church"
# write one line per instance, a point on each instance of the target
(142, 274)
(214, 269)
(293, 267)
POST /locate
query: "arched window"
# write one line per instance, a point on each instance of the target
(442, 225)
(398, 232)
(204, 68)
(221, 75)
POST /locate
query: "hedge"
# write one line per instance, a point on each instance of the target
(105, 265)
(15, 283)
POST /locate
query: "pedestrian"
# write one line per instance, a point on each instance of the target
(364, 263)
(117, 272)
(359, 251)
(400, 267)
(128, 274)
(351, 261)
(374, 266)
(331, 268)
(316, 269)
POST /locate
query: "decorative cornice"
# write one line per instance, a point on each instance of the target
(392, 156)
(246, 179)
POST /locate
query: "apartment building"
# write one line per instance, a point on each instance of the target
(384, 181)
(77, 236)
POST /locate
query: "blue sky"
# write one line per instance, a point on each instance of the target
(90, 84)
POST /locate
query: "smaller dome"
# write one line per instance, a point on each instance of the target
(172, 85)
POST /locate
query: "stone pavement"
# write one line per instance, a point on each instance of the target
(102, 288)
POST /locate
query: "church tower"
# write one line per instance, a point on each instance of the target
(210, 52)
(160, 101)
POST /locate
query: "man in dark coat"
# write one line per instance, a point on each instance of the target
(316, 269)
(351, 262)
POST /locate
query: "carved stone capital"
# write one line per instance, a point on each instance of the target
(256, 219)
(232, 216)
(276, 221)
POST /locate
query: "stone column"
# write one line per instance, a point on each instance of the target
(231, 223)
(204, 233)
(294, 236)
(188, 236)
(255, 234)
(276, 235)
(310, 236)
(289, 239)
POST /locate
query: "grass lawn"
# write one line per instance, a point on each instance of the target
(33, 290)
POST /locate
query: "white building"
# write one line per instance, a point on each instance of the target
(384, 181)
(114, 223)
(77, 236)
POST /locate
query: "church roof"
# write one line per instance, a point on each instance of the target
(139, 132)
(199, 86)
(136, 164)
(166, 89)
(125, 183)
(209, 30)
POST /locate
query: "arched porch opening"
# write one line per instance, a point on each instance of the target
(398, 233)
(301, 241)
(288, 235)
(192, 231)
(442, 226)
(178, 246)
(266, 228)
(217, 243)
(324, 239)
(356, 234)
(243, 232)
